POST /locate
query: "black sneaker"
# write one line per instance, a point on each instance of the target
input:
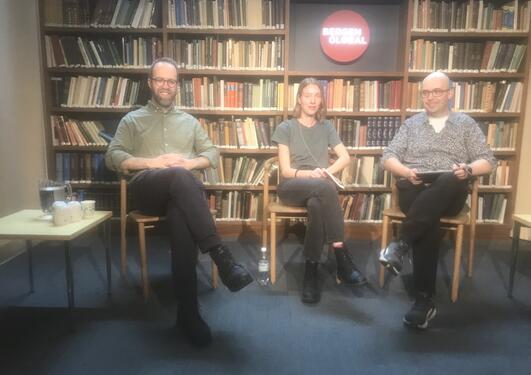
(233, 275)
(311, 293)
(422, 311)
(192, 325)
(347, 272)
(392, 256)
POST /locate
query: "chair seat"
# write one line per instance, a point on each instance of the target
(137, 217)
(280, 208)
(460, 218)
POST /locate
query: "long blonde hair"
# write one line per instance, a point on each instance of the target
(321, 112)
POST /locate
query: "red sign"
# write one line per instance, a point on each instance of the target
(345, 36)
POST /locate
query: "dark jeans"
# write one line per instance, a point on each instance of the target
(325, 218)
(177, 194)
(424, 205)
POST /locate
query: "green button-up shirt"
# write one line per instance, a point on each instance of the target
(149, 132)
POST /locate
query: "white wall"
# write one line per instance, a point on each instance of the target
(523, 197)
(22, 154)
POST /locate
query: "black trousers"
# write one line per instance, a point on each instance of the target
(177, 194)
(424, 205)
(325, 218)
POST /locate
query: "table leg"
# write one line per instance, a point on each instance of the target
(514, 255)
(29, 246)
(107, 244)
(69, 276)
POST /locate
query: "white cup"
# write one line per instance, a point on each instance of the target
(88, 208)
(75, 211)
(61, 213)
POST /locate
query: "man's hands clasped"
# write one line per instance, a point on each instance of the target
(171, 160)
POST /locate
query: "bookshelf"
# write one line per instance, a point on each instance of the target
(240, 63)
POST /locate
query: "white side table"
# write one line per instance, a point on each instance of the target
(28, 225)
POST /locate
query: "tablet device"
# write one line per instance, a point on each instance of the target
(430, 176)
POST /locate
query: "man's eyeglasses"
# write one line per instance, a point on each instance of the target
(161, 81)
(437, 93)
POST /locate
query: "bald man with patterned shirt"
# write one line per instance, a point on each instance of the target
(435, 139)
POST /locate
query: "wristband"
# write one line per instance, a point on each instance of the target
(468, 170)
(296, 170)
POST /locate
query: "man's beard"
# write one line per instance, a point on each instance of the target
(166, 102)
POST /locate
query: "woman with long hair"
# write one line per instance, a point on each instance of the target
(303, 143)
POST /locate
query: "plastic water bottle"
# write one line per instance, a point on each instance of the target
(263, 267)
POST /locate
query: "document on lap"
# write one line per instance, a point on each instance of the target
(334, 179)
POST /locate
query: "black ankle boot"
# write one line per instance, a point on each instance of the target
(233, 275)
(347, 272)
(310, 286)
(192, 325)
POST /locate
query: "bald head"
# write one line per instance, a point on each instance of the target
(438, 76)
(437, 94)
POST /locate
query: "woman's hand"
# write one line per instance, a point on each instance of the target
(316, 173)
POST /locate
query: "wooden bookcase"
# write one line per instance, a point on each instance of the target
(289, 74)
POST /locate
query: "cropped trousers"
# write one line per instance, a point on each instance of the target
(424, 205)
(325, 218)
(177, 194)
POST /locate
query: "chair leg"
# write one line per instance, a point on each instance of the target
(385, 240)
(471, 250)
(457, 262)
(143, 260)
(273, 231)
(214, 275)
(123, 246)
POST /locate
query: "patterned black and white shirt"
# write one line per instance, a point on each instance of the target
(417, 145)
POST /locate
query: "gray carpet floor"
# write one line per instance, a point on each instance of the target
(261, 330)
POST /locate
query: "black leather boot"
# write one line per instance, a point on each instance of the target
(311, 292)
(192, 325)
(233, 275)
(347, 272)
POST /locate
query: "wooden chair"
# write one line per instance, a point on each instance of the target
(467, 216)
(275, 210)
(143, 222)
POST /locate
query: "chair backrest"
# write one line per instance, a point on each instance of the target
(270, 165)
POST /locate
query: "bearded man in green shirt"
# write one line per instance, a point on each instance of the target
(162, 147)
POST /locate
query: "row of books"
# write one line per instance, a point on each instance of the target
(82, 167)
(364, 207)
(491, 56)
(90, 91)
(491, 208)
(471, 15)
(249, 14)
(213, 53)
(500, 135)
(479, 96)
(245, 205)
(376, 131)
(214, 93)
(501, 177)
(69, 132)
(241, 133)
(111, 13)
(356, 95)
(365, 171)
(242, 170)
(127, 51)
(236, 205)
